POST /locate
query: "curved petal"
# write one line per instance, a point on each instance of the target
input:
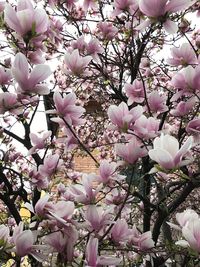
(21, 65)
(183, 150)
(11, 19)
(39, 74)
(170, 26)
(162, 157)
(41, 20)
(24, 243)
(26, 20)
(178, 5)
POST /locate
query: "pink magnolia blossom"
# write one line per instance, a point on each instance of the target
(97, 217)
(193, 128)
(63, 242)
(141, 241)
(66, 108)
(120, 231)
(94, 48)
(5, 76)
(57, 241)
(38, 180)
(184, 56)
(125, 5)
(135, 92)
(51, 164)
(161, 8)
(187, 80)
(106, 171)
(185, 216)
(157, 102)
(92, 258)
(166, 151)
(24, 243)
(25, 246)
(38, 142)
(146, 127)
(62, 211)
(29, 83)
(107, 30)
(183, 107)
(88, 191)
(8, 102)
(26, 19)
(122, 116)
(76, 63)
(130, 152)
(42, 207)
(89, 4)
(4, 233)
(79, 44)
(191, 233)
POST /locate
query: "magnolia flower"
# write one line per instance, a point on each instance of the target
(183, 55)
(160, 9)
(191, 233)
(146, 127)
(187, 80)
(92, 258)
(134, 92)
(97, 217)
(107, 30)
(94, 48)
(8, 102)
(157, 102)
(87, 192)
(183, 107)
(24, 243)
(106, 171)
(122, 116)
(66, 108)
(120, 232)
(26, 19)
(193, 128)
(38, 142)
(29, 82)
(141, 241)
(130, 152)
(5, 76)
(76, 63)
(125, 5)
(166, 151)
(51, 164)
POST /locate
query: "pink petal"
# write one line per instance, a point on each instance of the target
(162, 157)
(91, 251)
(170, 26)
(39, 74)
(183, 150)
(21, 64)
(11, 19)
(24, 243)
(178, 5)
(26, 20)
(41, 20)
(24, 4)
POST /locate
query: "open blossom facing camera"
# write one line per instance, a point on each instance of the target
(30, 83)
(183, 55)
(166, 151)
(76, 64)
